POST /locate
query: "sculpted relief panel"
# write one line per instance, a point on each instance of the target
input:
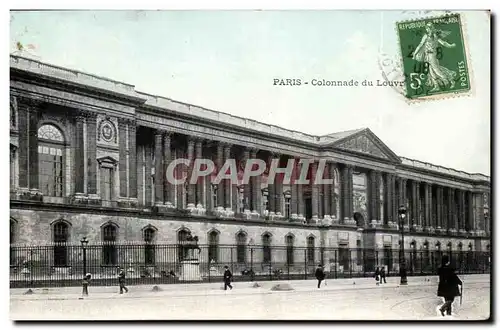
(359, 194)
(364, 145)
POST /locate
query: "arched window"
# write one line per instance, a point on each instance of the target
(61, 237)
(241, 247)
(50, 160)
(266, 248)
(310, 249)
(182, 236)
(109, 250)
(149, 248)
(289, 249)
(213, 246)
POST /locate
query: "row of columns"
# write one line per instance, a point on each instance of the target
(453, 209)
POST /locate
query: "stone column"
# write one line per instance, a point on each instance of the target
(351, 192)
(344, 192)
(271, 191)
(379, 205)
(220, 187)
(300, 198)
(388, 192)
(34, 117)
(439, 208)
(293, 190)
(79, 154)
(414, 205)
(278, 187)
(132, 159)
(191, 197)
(140, 175)
(403, 201)
(256, 185)
(451, 211)
(333, 205)
(122, 164)
(428, 206)
(314, 193)
(326, 194)
(227, 182)
(92, 158)
(23, 160)
(158, 168)
(247, 193)
(168, 187)
(462, 214)
(394, 197)
(470, 213)
(199, 182)
(148, 160)
(372, 197)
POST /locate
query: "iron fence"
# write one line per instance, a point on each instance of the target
(65, 264)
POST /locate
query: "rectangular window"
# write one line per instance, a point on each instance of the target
(149, 254)
(50, 171)
(241, 253)
(106, 185)
(289, 255)
(213, 252)
(266, 249)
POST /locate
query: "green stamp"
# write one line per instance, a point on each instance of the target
(433, 56)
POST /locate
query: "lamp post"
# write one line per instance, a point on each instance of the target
(251, 258)
(84, 242)
(402, 259)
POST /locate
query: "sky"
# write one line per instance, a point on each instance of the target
(227, 61)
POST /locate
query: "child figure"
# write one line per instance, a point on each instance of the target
(85, 284)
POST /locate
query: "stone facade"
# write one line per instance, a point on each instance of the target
(117, 143)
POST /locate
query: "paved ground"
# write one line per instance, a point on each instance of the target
(338, 300)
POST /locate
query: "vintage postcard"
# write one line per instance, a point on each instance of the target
(250, 165)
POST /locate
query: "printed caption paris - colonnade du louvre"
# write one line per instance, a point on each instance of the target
(314, 165)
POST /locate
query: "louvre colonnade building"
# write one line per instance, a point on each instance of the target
(88, 158)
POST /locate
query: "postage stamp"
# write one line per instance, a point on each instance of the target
(434, 57)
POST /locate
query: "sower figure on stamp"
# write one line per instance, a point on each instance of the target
(85, 284)
(448, 285)
(427, 52)
(121, 280)
(320, 275)
(227, 278)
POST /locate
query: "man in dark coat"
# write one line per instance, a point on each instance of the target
(448, 285)
(377, 275)
(227, 278)
(382, 275)
(320, 275)
(121, 281)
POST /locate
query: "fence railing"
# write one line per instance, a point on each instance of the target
(65, 265)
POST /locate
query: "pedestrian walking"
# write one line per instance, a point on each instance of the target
(448, 285)
(85, 284)
(228, 276)
(382, 275)
(320, 275)
(377, 275)
(121, 281)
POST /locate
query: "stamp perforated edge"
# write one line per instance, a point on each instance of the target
(465, 37)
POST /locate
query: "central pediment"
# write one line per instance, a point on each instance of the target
(365, 142)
